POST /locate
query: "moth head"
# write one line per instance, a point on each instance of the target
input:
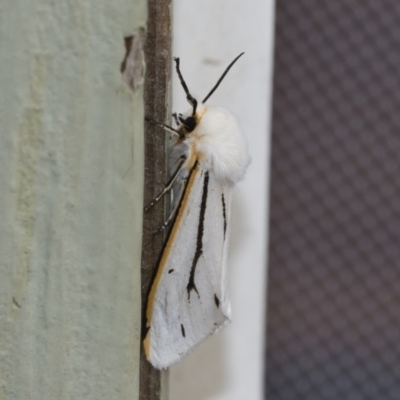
(188, 123)
(191, 119)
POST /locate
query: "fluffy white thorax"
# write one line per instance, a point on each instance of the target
(220, 144)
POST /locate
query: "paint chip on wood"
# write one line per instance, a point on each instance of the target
(133, 65)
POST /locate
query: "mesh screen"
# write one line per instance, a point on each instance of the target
(333, 328)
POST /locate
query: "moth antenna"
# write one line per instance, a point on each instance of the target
(222, 77)
(192, 101)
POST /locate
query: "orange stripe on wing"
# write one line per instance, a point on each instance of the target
(168, 247)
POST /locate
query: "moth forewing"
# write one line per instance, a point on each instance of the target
(189, 292)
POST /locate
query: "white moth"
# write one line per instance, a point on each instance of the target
(188, 299)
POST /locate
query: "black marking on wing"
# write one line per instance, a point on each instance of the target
(183, 331)
(216, 299)
(170, 271)
(200, 231)
(224, 212)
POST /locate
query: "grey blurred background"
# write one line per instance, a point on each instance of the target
(333, 328)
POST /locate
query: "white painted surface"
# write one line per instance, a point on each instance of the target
(71, 179)
(207, 36)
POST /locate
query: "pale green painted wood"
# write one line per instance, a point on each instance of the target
(71, 182)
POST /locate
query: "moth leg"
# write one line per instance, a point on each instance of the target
(165, 127)
(169, 185)
(176, 118)
(168, 221)
(192, 101)
(172, 214)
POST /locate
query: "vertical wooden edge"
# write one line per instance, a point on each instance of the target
(157, 98)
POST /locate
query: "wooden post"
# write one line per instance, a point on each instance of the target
(153, 384)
